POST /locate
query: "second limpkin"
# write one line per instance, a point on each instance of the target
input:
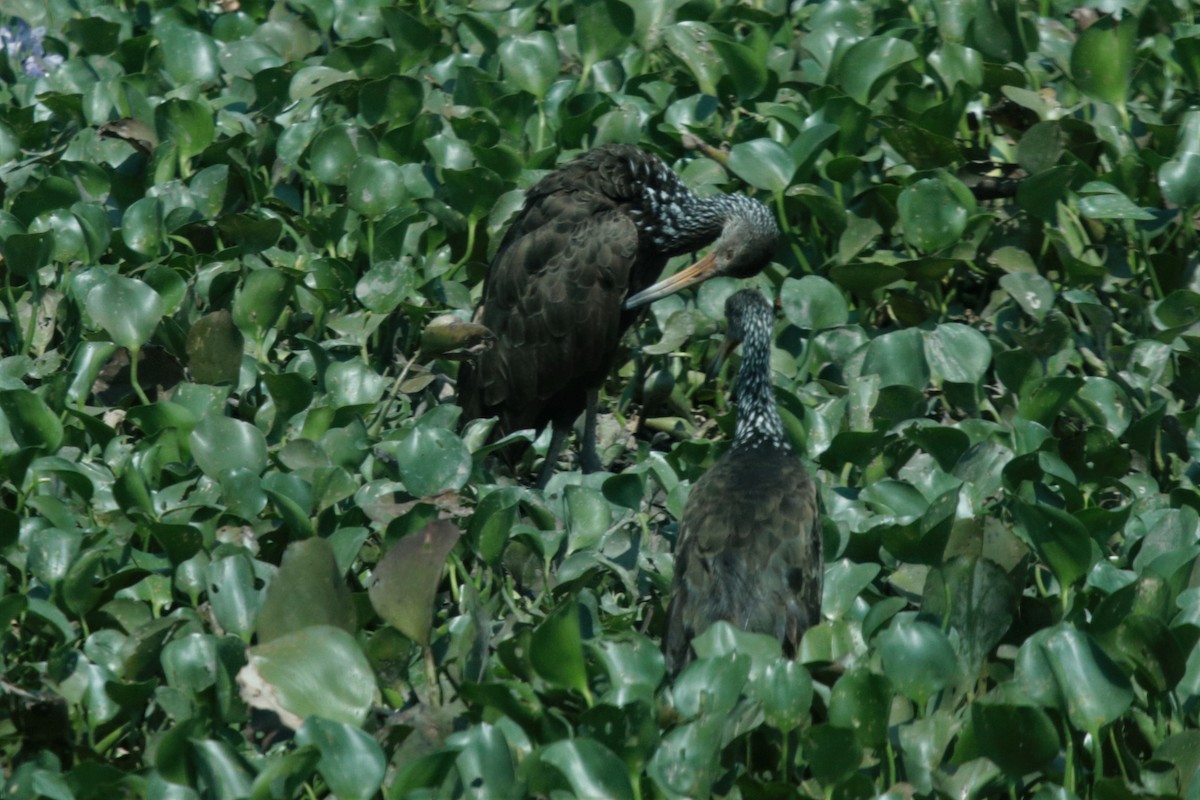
(573, 272)
(749, 548)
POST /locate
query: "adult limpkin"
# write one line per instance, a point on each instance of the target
(573, 271)
(749, 545)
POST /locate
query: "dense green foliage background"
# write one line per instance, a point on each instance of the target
(235, 500)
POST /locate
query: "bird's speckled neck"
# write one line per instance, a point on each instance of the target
(678, 221)
(758, 421)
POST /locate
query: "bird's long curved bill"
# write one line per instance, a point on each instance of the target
(728, 346)
(701, 271)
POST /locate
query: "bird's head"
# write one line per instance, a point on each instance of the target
(746, 245)
(744, 310)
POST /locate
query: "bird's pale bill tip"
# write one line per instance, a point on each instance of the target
(699, 272)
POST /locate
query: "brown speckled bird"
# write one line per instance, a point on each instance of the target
(749, 546)
(573, 271)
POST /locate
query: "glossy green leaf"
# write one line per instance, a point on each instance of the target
(785, 692)
(530, 61)
(860, 702)
(127, 309)
(1105, 403)
(924, 743)
(335, 150)
(484, 760)
(375, 186)
(557, 650)
(264, 295)
(1033, 293)
(588, 517)
(385, 285)
(31, 423)
(688, 41)
(832, 752)
(866, 64)
(898, 358)
(1102, 58)
(185, 123)
(974, 596)
(27, 253)
(957, 353)
(917, 658)
(844, 582)
(431, 460)
(142, 227)
(352, 763)
(725, 639)
(1042, 400)
(813, 303)
(763, 163)
(222, 768)
(223, 443)
(1179, 178)
(189, 55)
(686, 763)
(1019, 739)
(235, 593)
(190, 663)
(590, 768)
(1060, 539)
(1179, 309)
(933, 214)
(353, 383)
(602, 28)
(492, 522)
(635, 668)
(318, 670)
(1110, 203)
(396, 99)
(1062, 668)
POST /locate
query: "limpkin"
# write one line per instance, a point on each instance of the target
(749, 544)
(573, 271)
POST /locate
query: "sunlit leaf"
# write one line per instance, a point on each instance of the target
(351, 762)
(763, 163)
(933, 213)
(917, 657)
(530, 61)
(318, 670)
(591, 769)
(813, 303)
(557, 652)
(127, 309)
(223, 443)
(1102, 58)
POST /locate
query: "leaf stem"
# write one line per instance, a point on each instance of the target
(385, 409)
(787, 234)
(1069, 765)
(134, 353)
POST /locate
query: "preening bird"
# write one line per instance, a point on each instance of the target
(573, 272)
(749, 545)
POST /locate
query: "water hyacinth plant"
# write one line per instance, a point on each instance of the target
(25, 46)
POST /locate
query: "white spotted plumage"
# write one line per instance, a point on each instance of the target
(752, 321)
